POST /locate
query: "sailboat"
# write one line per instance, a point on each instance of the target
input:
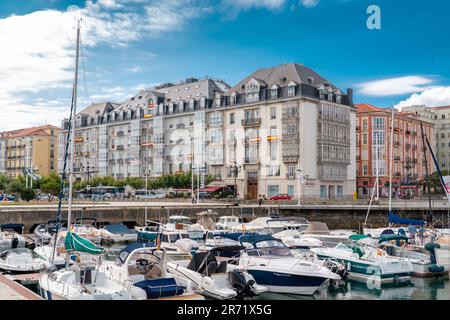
(78, 281)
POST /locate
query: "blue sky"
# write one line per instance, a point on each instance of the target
(132, 44)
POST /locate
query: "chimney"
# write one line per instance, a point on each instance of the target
(350, 96)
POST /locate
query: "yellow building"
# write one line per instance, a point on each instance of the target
(31, 148)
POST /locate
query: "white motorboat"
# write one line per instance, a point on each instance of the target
(227, 222)
(272, 265)
(177, 222)
(214, 279)
(42, 234)
(178, 241)
(10, 238)
(319, 230)
(145, 269)
(368, 264)
(295, 240)
(20, 260)
(423, 260)
(118, 233)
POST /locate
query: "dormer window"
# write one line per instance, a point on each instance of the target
(252, 93)
(233, 98)
(274, 92)
(291, 89)
(330, 96)
(217, 99)
(338, 98)
(191, 105)
(202, 102)
(181, 106)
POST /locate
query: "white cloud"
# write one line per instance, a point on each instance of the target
(249, 4)
(432, 97)
(395, 86)
(37, 51)
(309, 3)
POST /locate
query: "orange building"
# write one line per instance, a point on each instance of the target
(373, 133)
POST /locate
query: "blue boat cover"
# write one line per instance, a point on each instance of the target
(119, 228)
(236, 235)
(395, 219)
(162, 287)
(254, 238)
(147, 235)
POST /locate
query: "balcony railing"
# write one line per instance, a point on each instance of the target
(252, 140)
(288, 176)
(290, 158)
(248, 122)
(251, 160)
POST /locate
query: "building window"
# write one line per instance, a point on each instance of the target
(273, 190)
(232, 118)
(290, 190)
(365, 170)
(291, 90)
(233, 98)
(364, 125)
(364, 138)
(339, 192)
(323, 192)
(338, 98)
(274, 92)
(291, 171)
(273, 113)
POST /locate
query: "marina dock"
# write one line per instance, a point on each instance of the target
(12, 290)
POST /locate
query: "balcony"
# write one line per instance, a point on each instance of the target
(251, 122)
(290, 158)
(251, 160)
(78, 139)
(289, 177)
(286, 116)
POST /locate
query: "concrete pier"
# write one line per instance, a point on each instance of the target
(337, 216)
(11, 290)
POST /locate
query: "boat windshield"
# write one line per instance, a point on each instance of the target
(182, 220)
(270, 248)
(342, 246)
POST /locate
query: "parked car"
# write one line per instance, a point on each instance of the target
(281, 197)
(7, 197)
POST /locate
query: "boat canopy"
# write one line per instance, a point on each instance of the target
(395, 219)
(118, 228)
(390, 237)
(74, 242)
(17, 227)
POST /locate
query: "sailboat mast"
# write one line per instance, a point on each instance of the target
(424, 149)
(391, 159)
(72, 136)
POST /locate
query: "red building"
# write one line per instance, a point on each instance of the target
(373, 133)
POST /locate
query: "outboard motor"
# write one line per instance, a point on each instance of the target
(14, 243)
(240, 283)
(431, 247)
(337, 268)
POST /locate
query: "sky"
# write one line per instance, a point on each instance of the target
(128, 45)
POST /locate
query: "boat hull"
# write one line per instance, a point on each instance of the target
(280, 282)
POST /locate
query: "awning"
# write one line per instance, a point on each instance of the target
(211, 188)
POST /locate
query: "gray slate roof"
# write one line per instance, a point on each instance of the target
(283, 74)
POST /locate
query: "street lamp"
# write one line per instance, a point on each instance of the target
(235, 171)
(301, 179)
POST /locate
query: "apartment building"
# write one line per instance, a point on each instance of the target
(29, 149)
(373, 136)
(272, 123)
(440, 116)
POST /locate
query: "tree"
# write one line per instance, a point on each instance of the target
(27, 194)
(51, 183)
(4, 181)
(15, 187)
